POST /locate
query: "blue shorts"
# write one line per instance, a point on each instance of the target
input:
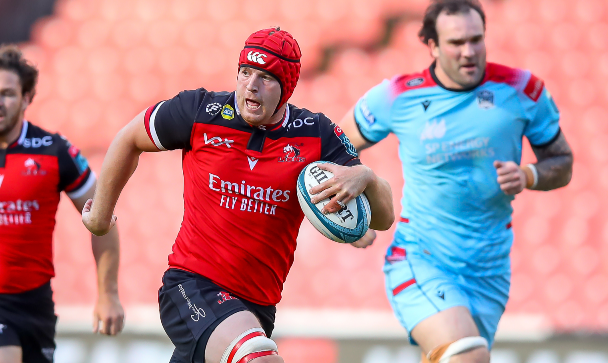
(418, 289)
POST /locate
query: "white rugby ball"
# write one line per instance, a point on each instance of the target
(347, 225)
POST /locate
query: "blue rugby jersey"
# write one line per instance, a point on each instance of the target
(452, 205)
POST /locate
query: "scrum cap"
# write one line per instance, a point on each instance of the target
(275, 51)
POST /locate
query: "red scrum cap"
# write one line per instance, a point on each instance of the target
(276, 52)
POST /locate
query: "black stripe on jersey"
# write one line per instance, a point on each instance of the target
(363, 136)
(542, 146)
(78, 183)
(2, 158)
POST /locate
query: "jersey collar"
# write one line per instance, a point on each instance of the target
(21, 138)
(272, 127)
(468, 89)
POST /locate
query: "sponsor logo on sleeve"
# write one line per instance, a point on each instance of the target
(1, 179)
(350, 148)
(366, 113)
(227, 112)
(534, 88)
(415, 82)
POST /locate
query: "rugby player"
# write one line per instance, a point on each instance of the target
(35, 167)
(460, 125)
(242, 153)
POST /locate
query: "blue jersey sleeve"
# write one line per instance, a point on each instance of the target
(543, 123)
(372, 113)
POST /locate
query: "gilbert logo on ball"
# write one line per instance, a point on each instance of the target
(347, 225)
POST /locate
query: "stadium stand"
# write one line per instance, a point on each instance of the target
(104, 61)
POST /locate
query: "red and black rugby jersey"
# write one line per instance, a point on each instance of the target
(33, 171)
(241, 214)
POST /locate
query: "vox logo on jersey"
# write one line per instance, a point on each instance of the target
(217, 141)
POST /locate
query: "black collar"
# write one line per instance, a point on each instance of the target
(468, 89)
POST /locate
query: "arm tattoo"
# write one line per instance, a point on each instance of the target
(554, 165)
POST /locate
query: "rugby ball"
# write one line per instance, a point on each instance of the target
(345, 226)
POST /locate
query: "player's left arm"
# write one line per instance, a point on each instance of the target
(106, 251)
(348, 183)
(553, 167)
(552, 170)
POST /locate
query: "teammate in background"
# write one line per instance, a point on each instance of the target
(460, 125)
(35, 166)
(242, 153)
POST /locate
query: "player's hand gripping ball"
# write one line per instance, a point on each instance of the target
(345, 226)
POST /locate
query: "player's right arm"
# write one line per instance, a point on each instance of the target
(118, 165)
(164, 126)
(368, 121)
(350, 128)
(369, 116)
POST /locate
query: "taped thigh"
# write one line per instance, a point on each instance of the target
(443, 353)
(250, 345)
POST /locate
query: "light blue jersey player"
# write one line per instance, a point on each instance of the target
(460, 126)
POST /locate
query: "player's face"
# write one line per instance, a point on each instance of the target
(12, 103)
(461, 52)
(257, 95)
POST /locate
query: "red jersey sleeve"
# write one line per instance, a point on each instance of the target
(169, 123)
(75, 175)
(335, 145)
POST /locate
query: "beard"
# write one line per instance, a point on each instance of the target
(10, 121)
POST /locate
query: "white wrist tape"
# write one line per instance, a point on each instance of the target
(535, 173)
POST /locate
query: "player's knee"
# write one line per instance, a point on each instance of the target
(251, 344)
(465, 350)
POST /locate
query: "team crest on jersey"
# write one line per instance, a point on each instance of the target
(291, 153)
(415, 82)
(485, 99)
(32, 167)
(350, 148)
(228, 112)
(213, 108)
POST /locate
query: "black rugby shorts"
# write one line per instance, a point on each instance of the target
(191, 307)
(28, 320)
